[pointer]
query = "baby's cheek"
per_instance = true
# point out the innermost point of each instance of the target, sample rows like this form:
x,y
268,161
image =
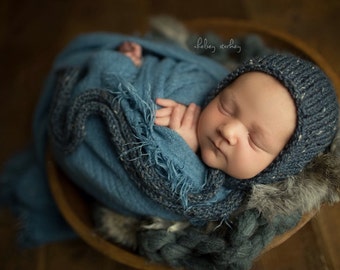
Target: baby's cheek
x,y
208,157
260,162
245,165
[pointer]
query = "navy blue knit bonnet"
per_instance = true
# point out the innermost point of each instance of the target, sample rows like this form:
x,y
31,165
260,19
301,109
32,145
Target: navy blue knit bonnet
x,y
317,111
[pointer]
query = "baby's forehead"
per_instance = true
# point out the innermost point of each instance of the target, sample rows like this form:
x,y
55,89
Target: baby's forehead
x,y
258,81
260,96
260,76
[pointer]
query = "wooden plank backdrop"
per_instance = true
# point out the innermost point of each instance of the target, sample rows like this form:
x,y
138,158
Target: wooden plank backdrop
x,y
32,32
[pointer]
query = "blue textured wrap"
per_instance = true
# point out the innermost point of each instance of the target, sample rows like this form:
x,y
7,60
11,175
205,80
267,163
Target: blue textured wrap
x,y
156,173
167,71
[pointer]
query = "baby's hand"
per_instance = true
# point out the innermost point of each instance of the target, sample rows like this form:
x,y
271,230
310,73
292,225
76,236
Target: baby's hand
x,y
133,51
183,119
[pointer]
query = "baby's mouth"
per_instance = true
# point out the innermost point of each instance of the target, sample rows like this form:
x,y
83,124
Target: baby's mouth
x,y
218,146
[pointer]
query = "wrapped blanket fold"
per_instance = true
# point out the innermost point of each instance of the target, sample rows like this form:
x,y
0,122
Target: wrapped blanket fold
x,y
104,137
86,79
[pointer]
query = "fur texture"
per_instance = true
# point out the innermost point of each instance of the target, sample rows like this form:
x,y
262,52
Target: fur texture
x,y
168,28
317,184
117,228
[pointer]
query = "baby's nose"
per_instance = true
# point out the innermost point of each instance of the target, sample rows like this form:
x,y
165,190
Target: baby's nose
x,y
231,131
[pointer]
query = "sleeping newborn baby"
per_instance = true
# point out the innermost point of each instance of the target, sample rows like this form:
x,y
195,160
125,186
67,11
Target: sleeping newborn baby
x,y
121,116
255,118
247,124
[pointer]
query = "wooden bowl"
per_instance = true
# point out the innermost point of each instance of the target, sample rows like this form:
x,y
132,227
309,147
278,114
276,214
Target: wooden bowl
x,y
75,208
71,200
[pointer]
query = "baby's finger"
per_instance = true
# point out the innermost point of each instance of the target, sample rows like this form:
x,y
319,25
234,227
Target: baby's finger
x,y
164,112
177,117
162,121
191,116
164,102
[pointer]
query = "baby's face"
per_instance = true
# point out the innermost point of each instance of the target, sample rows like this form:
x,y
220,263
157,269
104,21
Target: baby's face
x,y
246,126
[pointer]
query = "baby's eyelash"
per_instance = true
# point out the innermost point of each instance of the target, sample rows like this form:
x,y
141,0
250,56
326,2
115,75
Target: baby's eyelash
x,y
223,109
252,141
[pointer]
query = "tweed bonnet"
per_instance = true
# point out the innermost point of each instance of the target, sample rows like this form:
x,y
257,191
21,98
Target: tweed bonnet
x,y
317,110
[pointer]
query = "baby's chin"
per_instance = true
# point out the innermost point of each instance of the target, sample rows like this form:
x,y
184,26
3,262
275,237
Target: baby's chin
x,y
239,175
